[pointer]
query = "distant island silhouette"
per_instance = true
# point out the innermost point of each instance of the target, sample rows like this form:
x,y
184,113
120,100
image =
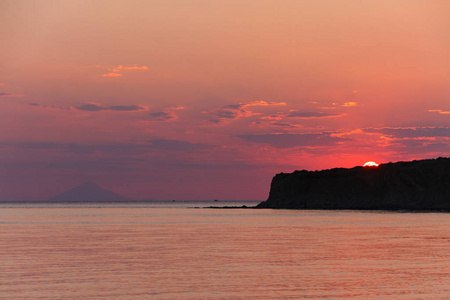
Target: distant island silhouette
x,y
414,185
88,192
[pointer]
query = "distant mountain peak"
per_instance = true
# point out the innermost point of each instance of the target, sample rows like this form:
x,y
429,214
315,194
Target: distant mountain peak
x,y
88,191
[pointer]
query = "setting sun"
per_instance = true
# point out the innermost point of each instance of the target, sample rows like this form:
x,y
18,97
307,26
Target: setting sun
x,y
370,164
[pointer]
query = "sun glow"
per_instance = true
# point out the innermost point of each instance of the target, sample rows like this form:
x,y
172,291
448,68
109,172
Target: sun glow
x,y
370,164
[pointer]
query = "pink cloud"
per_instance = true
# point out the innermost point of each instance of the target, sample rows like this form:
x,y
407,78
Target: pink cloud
x,y
439,111
264,103
112,74
178,107
349,104
120,67
236,111
116,71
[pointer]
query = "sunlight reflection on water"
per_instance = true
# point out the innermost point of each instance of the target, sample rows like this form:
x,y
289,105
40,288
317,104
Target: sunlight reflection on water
x,y
170,251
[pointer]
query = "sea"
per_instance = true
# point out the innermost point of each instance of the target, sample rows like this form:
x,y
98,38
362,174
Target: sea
x,y
182,250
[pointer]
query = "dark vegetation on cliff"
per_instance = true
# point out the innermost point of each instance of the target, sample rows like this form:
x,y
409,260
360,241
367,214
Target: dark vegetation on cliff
x,y
415,185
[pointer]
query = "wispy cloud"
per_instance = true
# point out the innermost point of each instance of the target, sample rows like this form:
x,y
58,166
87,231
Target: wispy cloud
x,y
422,146
236,111
126,107
408,140
411,132
178,107
94,107
161,116
112,74
117,71
313,115
276,116
399,141
264,103
50,107
10,95
229,112
336,105
349,104
267,122
120,68
276,120
164,115
291,140
439,111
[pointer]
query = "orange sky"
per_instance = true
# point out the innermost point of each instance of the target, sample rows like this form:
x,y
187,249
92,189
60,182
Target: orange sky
x,y
209,99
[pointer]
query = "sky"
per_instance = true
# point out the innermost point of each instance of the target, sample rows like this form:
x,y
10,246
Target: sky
x,y
207,100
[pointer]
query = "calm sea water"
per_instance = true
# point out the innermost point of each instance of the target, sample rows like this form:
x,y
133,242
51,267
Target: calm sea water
x,y
173,251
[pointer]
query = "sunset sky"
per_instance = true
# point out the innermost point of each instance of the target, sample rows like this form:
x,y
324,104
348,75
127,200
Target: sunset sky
x,y
210,99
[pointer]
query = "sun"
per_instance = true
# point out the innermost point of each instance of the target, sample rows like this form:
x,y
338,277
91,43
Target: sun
x,y
370,164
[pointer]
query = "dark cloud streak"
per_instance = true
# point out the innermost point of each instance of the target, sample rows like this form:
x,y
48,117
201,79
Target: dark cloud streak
x,y
312,115
93,107
115,149
294,140
161,116
413,132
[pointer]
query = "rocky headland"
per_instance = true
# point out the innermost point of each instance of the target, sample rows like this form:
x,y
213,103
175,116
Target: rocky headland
x,y
414,185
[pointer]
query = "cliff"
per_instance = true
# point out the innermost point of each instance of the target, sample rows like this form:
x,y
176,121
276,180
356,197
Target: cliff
x,y
415,185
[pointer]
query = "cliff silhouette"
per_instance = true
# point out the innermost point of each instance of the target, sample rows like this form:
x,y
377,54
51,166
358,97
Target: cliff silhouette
x,y
414,185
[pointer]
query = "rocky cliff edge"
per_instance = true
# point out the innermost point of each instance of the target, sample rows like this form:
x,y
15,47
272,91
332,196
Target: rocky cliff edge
x,y
415,185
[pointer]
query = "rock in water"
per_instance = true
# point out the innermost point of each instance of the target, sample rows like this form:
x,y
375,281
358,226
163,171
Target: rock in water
x,y
88,192
415,185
